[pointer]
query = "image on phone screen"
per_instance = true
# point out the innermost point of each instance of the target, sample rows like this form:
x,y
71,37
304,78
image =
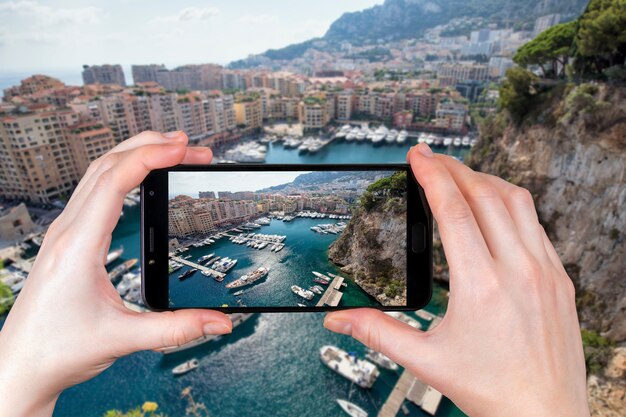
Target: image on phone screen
x,y
287,238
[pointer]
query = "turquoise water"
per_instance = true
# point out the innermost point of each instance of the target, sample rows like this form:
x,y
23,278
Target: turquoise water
x,y
304,251
268,367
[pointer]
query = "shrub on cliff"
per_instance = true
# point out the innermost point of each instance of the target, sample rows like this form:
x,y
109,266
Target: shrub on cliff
x,y
517,92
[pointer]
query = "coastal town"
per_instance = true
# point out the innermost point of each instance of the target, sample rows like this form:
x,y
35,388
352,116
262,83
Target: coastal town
x,y
209,235
361,96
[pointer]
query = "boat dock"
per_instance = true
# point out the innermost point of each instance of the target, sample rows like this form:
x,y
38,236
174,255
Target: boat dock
x,y
332,295
409,388
213,272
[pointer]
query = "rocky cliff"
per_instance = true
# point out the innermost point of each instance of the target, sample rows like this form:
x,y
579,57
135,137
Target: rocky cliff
x,y
571,154
372,249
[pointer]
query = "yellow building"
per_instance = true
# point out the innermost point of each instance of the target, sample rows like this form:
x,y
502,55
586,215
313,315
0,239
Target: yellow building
x,y
249,112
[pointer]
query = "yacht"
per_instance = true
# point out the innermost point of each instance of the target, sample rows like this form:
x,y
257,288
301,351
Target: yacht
x,y
457,142
438,141
188,366
343,132
301,292
121,269
362,134
379,135
205,257
321,276
316,289
402,136
381,360
421,138
113,255
360,372
187,274
447,142
351,409
391,136
430,139
352,135
249,278
465,141
225,265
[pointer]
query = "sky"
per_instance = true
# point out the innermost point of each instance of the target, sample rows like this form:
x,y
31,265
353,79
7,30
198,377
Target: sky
x,y
190,183
62,35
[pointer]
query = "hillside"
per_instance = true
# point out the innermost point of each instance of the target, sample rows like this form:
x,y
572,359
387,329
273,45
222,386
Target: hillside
x,y
372,249
404,19
570,152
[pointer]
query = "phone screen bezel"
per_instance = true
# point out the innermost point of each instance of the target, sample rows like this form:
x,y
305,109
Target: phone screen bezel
x,y
154,236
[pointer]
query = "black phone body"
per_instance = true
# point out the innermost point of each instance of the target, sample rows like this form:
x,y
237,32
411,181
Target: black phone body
x,y
251,238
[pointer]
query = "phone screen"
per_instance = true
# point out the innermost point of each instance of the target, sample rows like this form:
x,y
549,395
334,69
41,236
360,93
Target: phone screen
x,y
287,238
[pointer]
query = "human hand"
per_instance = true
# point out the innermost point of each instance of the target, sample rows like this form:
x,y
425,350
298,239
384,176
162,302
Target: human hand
x,y
69,323
510,343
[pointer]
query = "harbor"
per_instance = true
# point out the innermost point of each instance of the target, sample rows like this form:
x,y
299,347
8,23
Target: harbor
x,y
233,369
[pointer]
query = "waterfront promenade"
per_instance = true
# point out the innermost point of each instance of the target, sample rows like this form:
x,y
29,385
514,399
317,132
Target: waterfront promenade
x,y
218,275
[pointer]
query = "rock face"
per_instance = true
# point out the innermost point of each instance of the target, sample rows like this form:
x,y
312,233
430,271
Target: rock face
x,y
372,250
607,393
572,157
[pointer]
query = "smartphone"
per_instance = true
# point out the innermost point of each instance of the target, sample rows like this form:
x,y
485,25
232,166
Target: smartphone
x,y
284,238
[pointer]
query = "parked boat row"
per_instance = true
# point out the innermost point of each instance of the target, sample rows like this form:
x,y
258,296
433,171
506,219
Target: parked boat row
x,y
434,140
378,136
247,152
329,228
315,215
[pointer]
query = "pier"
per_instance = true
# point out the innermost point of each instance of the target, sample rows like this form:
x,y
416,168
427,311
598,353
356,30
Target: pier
x,y
410,388
218,275
332,295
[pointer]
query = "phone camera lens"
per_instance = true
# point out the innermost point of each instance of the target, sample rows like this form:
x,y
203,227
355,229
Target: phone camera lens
x,y
151,193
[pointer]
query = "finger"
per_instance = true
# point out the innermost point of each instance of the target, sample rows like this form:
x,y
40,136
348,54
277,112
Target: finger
x,y
102,205
521,207
462,240
491,214
198,156
552,254
142,139
384,334
143,331
106,163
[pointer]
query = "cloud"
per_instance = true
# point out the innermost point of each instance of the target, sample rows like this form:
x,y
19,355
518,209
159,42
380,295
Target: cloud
x,y
189,14
50,15
258,19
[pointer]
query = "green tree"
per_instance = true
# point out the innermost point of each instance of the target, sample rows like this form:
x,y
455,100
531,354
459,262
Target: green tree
x,y
550,50
601,34
517,92
6,298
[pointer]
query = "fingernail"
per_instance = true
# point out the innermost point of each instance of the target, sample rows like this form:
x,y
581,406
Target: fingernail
x,y
339,326
216,328
425,150
176,135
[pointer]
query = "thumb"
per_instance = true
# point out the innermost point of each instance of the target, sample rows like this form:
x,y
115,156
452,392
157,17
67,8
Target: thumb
x,y
399,341
154,330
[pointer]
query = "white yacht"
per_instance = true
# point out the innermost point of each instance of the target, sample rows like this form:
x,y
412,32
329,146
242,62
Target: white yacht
x,y
430,139
379,134
465,141
299,291
361,372
421,138
188,366
457,142
362,134
402,136
352,135
381,360
391,136
447,142
343,132
351,409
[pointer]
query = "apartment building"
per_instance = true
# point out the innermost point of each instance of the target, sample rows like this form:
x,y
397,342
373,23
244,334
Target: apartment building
x,y
88,140
314,113
117,112
461,71
344,106
36,160
283,108
146,73
451,116
104,74
248,112
35,84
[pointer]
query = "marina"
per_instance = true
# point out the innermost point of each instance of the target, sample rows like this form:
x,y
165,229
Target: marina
x,y
232,374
